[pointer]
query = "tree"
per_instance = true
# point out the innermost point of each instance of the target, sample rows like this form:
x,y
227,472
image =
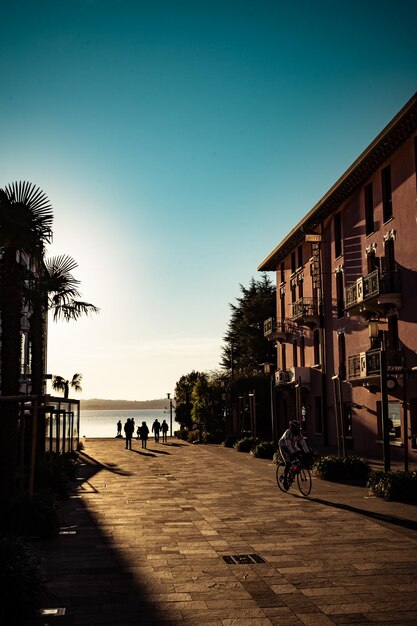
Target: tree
x,y
61,384
182,398
55,289
245,347
25,226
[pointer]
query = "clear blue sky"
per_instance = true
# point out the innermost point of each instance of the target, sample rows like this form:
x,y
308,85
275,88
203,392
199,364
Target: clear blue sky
x,y
178,142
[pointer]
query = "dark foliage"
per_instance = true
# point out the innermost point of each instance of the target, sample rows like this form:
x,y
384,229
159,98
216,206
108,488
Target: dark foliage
x,y
245,345
394,485
22,585
332,467
247,444
264,450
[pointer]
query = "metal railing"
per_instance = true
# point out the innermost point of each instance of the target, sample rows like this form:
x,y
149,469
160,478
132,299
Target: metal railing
x,y
370,286
304,307
368,364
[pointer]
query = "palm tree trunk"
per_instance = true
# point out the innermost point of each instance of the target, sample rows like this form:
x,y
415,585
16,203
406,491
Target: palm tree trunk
x,y
11,290
37,339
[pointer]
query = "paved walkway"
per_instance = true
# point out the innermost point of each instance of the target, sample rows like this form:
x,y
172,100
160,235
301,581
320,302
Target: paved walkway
x,y
152,528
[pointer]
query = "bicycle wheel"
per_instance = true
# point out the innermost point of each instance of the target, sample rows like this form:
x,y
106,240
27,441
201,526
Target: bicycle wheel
x,y
304,481
280,476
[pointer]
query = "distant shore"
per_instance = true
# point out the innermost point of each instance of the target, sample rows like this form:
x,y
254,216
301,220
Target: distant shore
x,y
97,404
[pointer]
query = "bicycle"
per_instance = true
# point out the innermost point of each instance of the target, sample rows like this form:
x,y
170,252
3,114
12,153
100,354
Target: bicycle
x,y
297,471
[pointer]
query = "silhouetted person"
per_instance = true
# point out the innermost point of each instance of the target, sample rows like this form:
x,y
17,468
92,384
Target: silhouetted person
x,y
164,428
119,429
129,428
156,427
138,432
143,433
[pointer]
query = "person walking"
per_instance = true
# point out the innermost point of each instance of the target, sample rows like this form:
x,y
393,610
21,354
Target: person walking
x,y
164,428
128,428
119,429
156,427
143,433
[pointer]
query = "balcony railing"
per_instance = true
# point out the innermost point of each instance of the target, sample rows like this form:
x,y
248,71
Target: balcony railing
x,y
371,286
368,364
275,328
304,308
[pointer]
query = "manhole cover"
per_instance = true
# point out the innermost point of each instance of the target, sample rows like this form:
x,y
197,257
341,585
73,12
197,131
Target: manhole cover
x,y
242,559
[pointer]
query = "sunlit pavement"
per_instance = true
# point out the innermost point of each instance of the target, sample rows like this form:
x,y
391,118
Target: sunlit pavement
x,y
146,531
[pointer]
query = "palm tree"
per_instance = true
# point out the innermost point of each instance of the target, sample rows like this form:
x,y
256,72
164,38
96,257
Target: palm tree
x,y
55,289
61,384
25,226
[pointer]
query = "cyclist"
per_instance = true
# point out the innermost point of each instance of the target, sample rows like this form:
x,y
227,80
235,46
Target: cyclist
x,y
291,443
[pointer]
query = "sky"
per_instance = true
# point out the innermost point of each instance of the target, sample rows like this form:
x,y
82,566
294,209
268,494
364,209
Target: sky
x,y
178,142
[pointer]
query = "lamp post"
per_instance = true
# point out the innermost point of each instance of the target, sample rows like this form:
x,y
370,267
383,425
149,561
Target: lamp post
x,y
269,369
373,328
170,414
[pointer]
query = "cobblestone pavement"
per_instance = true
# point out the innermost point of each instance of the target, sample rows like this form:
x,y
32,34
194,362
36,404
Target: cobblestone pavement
x,y
152,527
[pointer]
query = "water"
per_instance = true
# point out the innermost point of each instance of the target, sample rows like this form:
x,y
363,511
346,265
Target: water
x,y
104,423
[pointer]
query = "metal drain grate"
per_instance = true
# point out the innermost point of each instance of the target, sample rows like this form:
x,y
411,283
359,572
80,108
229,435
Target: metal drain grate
x,y
242,559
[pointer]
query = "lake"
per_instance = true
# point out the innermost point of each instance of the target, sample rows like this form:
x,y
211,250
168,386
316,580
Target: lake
x,y
103,423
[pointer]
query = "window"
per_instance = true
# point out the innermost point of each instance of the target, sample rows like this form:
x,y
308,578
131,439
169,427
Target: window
x,y
386,193
302,351
341,342
372,262
393,339
293,293
294,353
282,272
318,423
283,356
300,256
337,235
394,420
293,267
282,299
316,346
369,209
340,295
415,159
300,289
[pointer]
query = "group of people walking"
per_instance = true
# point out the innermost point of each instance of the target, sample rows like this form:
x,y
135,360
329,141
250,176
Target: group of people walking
x,y
142,432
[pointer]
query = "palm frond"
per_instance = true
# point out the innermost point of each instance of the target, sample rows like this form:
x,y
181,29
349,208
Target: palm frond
x,y
73,310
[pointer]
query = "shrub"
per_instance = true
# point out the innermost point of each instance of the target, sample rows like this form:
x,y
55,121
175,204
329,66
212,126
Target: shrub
x,y
394,485
181,434
334,468
37,517
246,444
277,458
55,473
264,450
22,584
193,435
212,437
230,441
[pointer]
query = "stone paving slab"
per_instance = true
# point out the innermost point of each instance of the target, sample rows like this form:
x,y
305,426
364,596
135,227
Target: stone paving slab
x,y
152,529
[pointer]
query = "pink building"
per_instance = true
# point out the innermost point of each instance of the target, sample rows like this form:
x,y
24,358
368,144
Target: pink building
x,y
346,321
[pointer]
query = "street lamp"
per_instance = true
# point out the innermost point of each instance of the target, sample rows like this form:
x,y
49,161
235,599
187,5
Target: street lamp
x,y
373,328
269,369
170,414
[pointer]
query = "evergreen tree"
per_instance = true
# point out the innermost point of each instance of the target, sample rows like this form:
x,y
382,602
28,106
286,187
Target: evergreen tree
x,y
245,347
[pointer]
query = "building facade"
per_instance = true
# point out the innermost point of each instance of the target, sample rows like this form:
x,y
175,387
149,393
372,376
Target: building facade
x,y
346,314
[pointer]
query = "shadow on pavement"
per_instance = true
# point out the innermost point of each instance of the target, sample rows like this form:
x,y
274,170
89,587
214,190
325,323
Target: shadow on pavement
x,y
158,451
110,467
86,573
379,517
142,453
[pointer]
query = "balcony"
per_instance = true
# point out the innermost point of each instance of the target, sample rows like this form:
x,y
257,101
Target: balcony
x,y
366,366
293,375
305,312
376,293
275,329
